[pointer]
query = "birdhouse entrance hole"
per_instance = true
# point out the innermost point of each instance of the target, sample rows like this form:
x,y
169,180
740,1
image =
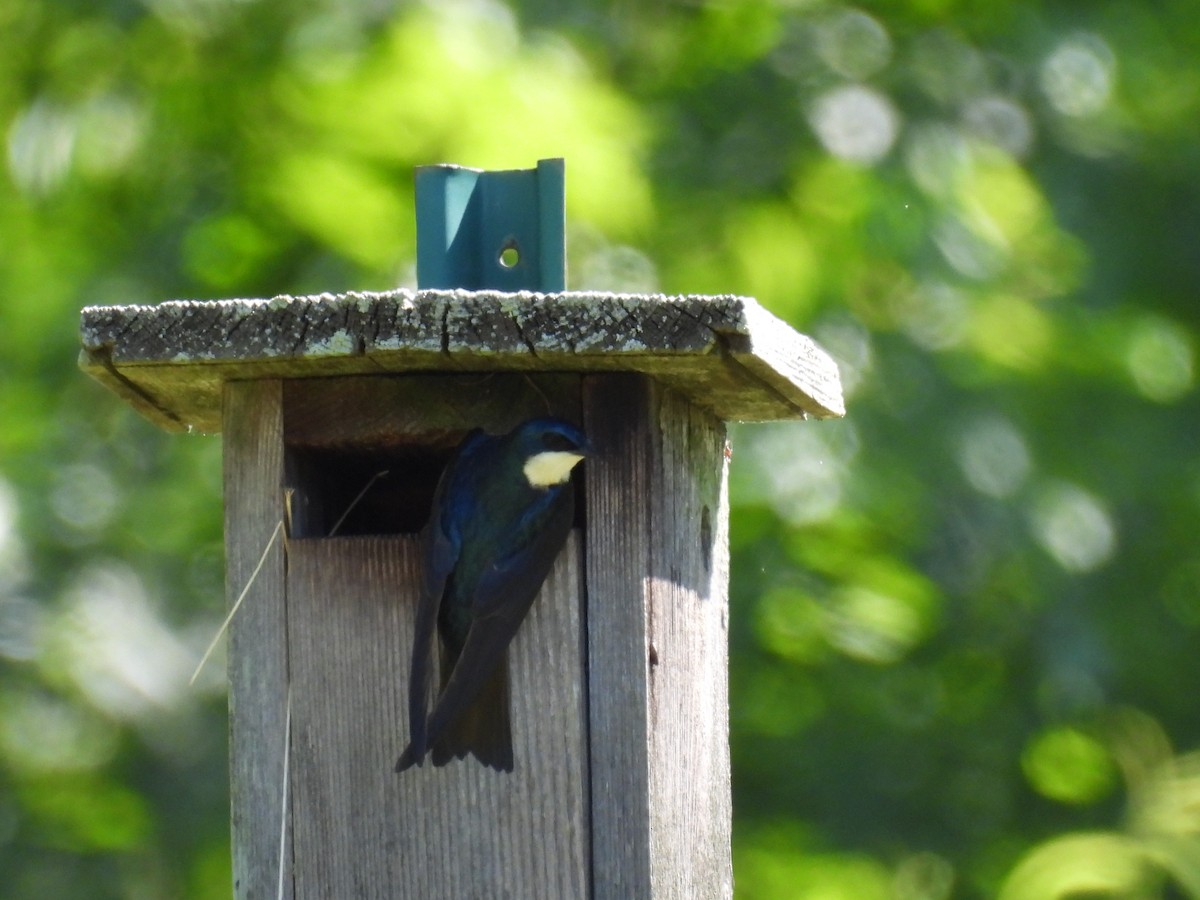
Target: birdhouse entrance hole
x,y
364,454
360,491
346,492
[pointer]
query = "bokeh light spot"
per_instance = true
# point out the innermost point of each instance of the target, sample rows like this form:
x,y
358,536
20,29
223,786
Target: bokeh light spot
x,y
1074,527
1001,122
853,44
855,123
993,456
1160,360
1077,77
84,497
1067,765
970,253
1011,332
1002,202
923,876
8,519
22,627
934,314
874,626
111,131
947,68
41,143
791,624
39,733
937,158
117,649
849,342
1079,865
794,470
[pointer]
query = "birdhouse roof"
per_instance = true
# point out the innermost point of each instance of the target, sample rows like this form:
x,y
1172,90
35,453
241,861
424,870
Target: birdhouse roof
x,y
724,352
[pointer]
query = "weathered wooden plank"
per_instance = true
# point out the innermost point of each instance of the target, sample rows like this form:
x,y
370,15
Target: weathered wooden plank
x,y
688,635
382,411
617,420
460,831
724,352
258,656
657,643
774,357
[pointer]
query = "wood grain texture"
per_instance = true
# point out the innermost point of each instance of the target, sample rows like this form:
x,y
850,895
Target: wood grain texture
x,y
688,633
258,656
657,620
619,478
724,352
422,410
362,831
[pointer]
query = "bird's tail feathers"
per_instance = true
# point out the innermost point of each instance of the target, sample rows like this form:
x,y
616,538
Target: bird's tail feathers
x,y
483,729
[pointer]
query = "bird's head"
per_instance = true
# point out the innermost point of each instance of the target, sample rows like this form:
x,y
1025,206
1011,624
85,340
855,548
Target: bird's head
x,y
550,448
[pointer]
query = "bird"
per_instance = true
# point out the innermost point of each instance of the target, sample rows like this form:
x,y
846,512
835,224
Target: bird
x,y
502,511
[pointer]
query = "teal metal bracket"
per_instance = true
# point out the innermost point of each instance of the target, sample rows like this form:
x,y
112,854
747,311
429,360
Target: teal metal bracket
x,y
502,230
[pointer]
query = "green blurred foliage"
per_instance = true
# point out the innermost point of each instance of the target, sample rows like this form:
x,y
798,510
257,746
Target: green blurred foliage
x,y
965,618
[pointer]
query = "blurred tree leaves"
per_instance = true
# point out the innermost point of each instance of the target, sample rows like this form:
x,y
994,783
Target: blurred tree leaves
x,y
958,614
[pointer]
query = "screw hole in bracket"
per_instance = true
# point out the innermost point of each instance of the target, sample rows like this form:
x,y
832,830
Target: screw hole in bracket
x,y
510,254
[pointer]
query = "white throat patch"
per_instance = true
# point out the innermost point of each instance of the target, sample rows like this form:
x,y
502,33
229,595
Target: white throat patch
x,y
550,467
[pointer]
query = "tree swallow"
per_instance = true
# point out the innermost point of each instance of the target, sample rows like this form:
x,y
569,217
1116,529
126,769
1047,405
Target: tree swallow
x,y
501,514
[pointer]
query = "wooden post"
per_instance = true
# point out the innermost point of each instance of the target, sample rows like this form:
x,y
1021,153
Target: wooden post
x,y
258,652
657,643
621,784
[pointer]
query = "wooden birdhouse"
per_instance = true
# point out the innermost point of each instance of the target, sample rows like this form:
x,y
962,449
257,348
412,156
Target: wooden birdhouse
x,y
338,413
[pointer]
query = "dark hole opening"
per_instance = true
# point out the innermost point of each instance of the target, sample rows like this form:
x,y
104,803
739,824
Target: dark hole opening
x,y
327,484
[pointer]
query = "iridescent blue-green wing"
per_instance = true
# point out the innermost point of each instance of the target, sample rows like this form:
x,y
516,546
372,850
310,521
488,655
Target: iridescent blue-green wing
x,y
441,542
502,599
